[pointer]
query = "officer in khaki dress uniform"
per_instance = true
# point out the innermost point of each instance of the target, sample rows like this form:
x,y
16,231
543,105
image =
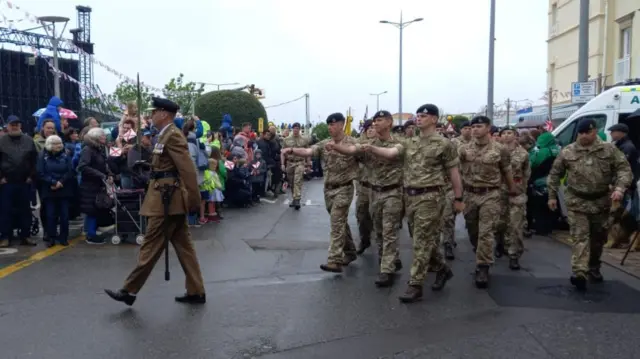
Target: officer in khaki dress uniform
x,y
339,173
171,165
294,166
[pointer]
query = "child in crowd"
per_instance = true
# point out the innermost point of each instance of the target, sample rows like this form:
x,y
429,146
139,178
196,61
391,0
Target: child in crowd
x,y
222,175
258,176
213,187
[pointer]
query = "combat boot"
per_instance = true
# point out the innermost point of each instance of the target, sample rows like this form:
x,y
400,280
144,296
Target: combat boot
x,y
442,278
364,244
448,252
296,204
398,264
595,276
348,258
482,277
292,203
579,280
384,280
412,294
331,267
514,264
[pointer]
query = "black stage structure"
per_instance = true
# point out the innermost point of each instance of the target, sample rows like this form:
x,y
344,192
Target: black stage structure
x,y
27,83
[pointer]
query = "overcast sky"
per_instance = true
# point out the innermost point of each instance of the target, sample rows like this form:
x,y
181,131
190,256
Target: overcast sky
x,y
335,50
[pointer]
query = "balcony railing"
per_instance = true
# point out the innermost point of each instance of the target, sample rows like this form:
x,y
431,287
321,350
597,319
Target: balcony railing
x,y
623,69
553,29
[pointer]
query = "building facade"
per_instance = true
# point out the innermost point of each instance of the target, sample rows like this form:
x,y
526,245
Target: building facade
x,y
614,44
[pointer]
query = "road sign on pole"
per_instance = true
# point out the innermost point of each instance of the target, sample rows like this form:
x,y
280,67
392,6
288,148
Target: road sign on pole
x,y
583,92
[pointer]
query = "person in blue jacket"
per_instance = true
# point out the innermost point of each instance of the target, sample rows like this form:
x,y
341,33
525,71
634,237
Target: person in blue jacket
x,y
53,112
179,121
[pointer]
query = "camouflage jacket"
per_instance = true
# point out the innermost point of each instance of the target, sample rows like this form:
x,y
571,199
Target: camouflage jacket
x,y
338,168
427,160
591,170
484,165
295,142
384,172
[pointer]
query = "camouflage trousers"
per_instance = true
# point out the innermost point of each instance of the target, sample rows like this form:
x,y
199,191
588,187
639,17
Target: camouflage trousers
x,y
338,201
503,218
514,236
386,212
363,215
295,176
481,213
449,219
424,213
588,235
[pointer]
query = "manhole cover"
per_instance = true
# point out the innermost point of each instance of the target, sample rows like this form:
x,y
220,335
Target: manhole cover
x,y
593,295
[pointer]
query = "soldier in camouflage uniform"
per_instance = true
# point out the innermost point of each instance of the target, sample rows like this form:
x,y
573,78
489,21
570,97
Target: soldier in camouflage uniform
x,y
386,196
427,160
363,189
294,166
339,173
409,129
592,166
514,211
486,166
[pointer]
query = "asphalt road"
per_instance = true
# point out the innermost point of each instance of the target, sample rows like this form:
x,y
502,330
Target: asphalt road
x,y
267,298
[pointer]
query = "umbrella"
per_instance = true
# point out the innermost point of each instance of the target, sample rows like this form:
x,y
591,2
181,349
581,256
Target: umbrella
x,y
66,113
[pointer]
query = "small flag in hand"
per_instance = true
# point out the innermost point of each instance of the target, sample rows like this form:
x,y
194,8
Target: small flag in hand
x,y
548,125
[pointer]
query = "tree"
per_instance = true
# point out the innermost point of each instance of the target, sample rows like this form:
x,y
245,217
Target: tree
x,y
458,120
321,131
183,93
126,92
241,106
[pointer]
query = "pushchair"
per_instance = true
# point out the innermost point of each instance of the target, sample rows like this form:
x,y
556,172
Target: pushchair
x,y
128,221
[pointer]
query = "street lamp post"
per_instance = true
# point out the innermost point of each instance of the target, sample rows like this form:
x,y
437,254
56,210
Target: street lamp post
x,y
377,95
55,41
400,25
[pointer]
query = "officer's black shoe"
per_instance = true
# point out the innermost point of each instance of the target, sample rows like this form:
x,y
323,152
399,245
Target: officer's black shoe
x,y
482,277
442,278
398,264
192,299
412,294
595,276
121,296
296,204
448,252
579,280
384,280
514,264
363,246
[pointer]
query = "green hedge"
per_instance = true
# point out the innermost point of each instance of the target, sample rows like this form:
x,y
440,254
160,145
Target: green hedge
x,y
242,106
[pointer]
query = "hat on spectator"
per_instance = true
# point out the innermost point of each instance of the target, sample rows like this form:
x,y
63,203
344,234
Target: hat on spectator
x,y
620,127
13,119
146,133
163,104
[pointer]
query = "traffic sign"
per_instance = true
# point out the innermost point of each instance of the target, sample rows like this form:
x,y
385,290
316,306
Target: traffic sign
x,y
583,92
450,128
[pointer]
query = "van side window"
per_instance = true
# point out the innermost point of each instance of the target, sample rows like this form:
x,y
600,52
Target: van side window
x,y
568,135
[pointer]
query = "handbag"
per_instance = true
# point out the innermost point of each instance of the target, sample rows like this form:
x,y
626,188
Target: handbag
x,y
104,199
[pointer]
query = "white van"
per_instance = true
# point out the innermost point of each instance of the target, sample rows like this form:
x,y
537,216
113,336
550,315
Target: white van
x,y
610,107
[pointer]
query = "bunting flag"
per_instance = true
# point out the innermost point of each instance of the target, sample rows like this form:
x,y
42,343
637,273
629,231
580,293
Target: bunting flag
x,y
27,16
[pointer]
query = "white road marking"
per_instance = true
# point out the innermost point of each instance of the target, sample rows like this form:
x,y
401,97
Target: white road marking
x,y
267,200
308,202
7,251
286,202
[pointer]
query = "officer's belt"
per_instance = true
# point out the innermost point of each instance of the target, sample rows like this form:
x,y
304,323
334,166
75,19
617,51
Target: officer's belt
x,y
415,191
480,190
331,186
156,175
587,196
380,188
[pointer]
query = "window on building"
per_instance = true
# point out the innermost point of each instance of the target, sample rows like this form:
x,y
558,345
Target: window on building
x,y
625,42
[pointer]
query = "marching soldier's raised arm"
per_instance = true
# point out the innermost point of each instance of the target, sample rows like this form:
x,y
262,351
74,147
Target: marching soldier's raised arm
x,y
389,153
301,152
